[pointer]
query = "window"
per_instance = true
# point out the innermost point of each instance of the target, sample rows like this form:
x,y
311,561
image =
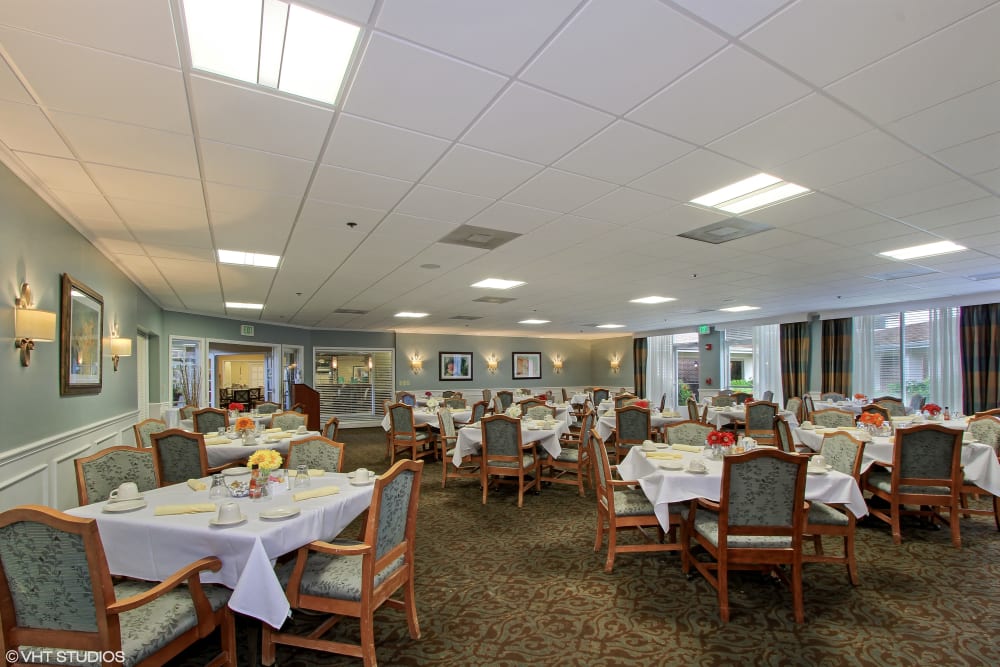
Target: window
x,y
738,358
672,367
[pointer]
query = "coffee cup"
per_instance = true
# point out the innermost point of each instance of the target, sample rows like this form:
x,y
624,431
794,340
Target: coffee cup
x,y
817,461
362,475
229,512
301,429
807,424
697,466
127,491
648,445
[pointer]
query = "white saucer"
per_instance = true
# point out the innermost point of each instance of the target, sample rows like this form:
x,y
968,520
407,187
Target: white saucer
x,y
817,471
280,513
234,522
124,505
696,472
671,465
371,480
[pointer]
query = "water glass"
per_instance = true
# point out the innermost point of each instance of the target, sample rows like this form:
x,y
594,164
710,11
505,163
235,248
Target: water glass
x,y
219,489
301,477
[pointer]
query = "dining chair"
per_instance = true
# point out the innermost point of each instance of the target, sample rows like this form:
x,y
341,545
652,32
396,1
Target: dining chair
x,y
917,402
599,394
267,407
353,579
926,470
529,403
186,412
767,396
995,412
876,409
331,429
783,435
690,432
316,452
794,405
406,436
447,441
455,402
760,421
831,396
692,406
145,428
288,421
540,412
56,592
572,466
622,506
565,395
479,409
406,397
448,393
757,524
242,396
99,474
833,418
301,407
984,429
808,406
632,427
498,408
741,397
893,405
506,460
506,398
621,400
721,401
488,396
180,455
210,420
842,452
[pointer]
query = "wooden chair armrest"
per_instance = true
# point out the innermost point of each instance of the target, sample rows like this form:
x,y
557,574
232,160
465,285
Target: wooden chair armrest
x,y
333,549
187,574
622,483
709,505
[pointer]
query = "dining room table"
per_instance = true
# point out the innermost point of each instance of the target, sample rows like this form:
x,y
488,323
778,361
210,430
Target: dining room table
x,y
678,484
470,438
847,405
223,449
607,423
141,544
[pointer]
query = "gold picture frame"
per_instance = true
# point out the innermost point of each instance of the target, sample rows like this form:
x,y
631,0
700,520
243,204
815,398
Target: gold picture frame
x,y
81,327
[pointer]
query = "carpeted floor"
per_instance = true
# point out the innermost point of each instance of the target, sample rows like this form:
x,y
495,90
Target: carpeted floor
x,y
498,585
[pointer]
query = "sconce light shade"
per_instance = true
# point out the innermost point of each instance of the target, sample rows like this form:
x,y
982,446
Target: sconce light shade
x,y
416,364
120,347
616,364
31,326
557,364
492,363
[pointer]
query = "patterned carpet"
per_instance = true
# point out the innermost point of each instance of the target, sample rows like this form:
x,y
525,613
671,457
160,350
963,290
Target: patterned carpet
x,y
501,586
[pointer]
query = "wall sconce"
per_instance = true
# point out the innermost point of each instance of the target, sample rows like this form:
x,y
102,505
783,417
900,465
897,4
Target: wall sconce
x,y
333,365
616,363
31,326
370,363
416,364
492,363
557,364
117,347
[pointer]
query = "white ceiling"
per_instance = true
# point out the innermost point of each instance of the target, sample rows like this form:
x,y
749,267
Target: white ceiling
x,y
584,125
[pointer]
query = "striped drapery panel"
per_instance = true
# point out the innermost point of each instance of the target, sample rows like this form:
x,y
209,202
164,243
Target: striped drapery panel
x,y
795,358
837,336
639,362
979,334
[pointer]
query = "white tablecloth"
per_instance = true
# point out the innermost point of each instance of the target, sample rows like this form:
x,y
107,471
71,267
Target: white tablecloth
x,y
607,424
260,420
421,417
663,487
470,440
141,545
221,454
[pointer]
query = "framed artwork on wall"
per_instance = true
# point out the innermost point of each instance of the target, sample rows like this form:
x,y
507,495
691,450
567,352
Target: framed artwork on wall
x,y
454,365
81,326
526,365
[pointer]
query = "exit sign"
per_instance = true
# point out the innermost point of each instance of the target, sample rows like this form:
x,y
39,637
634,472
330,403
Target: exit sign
x,y
246,329
704,329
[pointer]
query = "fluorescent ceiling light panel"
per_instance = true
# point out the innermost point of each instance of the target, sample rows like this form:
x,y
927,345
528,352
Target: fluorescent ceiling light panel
x,y
926,250
610,326
739,309
246,306
653,299
409,314
249,258
751,193
534,321
497,283
276,44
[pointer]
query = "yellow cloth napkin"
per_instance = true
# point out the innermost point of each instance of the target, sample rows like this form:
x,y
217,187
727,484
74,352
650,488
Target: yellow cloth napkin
x,y
272,430
663,455
197,485
192,508
218,440
688,448
316,472
315,493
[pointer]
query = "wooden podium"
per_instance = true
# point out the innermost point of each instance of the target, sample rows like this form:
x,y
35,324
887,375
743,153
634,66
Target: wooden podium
x,y
309,398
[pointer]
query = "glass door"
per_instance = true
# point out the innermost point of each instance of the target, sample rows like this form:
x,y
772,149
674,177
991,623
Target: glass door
x,y
187,371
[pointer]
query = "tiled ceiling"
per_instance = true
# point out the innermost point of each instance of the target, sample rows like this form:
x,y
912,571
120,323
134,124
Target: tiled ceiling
x,y
583,125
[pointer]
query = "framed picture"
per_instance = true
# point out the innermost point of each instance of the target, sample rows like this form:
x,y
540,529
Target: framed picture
x,y
526,365
454,365
80,344
361,375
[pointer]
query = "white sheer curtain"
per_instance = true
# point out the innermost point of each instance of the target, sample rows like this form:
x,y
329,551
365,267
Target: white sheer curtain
x,y
862,356
944,363
660,370
725,370
767,362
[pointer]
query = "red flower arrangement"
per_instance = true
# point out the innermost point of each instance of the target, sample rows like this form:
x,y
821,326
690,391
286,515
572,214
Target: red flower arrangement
x,y
427,394
873,418
933,409
724,438
236,406
642,403
860,397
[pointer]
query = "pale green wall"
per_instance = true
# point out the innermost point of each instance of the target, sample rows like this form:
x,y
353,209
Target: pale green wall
x,y
601,352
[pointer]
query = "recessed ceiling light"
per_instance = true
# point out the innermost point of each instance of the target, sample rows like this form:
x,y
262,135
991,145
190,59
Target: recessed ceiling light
x,y
653,299
276,44
246,306
739,309
534,321
409,314
497,283
249,258
610,326
926,250
751,193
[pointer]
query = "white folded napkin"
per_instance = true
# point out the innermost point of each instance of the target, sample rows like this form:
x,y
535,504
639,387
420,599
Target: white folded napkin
x,y
687,448
196,485
316,493
191,508
218,440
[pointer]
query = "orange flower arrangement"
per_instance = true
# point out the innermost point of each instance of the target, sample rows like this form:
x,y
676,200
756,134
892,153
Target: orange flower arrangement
x,y
872,418
245,424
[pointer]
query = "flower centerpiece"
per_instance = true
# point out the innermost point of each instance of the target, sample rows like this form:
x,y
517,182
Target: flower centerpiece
x,y
721,439
245,426
932,409
238,407
641,403
267,461
513,411
859,397
871,419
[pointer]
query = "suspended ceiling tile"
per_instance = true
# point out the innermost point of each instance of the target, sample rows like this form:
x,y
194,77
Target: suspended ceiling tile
x,y
679,219
733,18
692,175
356,188
445,205
144,186
405,85
624,205
421,230
897,179
511,217
25,128
973,157
623,152
929,198
864,153
247,168
59,173
479,172
163,219
86,206
968,211
559,191
955,121
364,145
11,88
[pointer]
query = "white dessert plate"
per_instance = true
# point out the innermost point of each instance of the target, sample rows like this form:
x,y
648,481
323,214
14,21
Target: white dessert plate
x,y
371,480
279,513
671,465
234,522
814,470
696,472
124,505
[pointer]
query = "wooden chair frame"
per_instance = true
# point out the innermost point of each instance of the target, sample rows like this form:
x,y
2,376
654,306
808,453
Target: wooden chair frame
x,y
81,485
624,445
517,474
136,430
331,422
209,411
567,471
202,455
406,440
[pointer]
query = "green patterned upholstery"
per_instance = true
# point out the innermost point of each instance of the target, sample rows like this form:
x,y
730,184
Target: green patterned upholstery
x,y
688,433
723,401
187,412
882,481
288,421
841,452
794,405
831,396
762,492
540,412
926,454
783,433
707,524
632,502
210,420
336,577
530,403
986,429
506,398
180,455
833,418
632,424
692,407
396,496
331,429
316,452
600,395
109,469
894,406
146,428
456,402
760,416
824,515
502,438
267,408
478,411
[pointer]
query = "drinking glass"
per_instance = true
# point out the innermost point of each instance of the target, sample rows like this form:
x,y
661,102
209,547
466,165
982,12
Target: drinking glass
x,y
301,477
219,489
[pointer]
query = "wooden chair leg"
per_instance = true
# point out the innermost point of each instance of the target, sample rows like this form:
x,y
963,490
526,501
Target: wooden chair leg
x,y
852,563
897,535
722,580
800,615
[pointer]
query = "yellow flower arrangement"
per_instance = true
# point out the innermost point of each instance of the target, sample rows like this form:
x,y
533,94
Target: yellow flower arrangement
x,y
265,458
245,424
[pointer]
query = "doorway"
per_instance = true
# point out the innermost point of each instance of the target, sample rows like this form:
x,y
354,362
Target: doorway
x,y
242,373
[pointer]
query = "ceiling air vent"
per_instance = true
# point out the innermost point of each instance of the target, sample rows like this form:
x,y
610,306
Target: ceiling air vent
x,y
478,237
350,311
494,299
465,317
726,230
984,276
